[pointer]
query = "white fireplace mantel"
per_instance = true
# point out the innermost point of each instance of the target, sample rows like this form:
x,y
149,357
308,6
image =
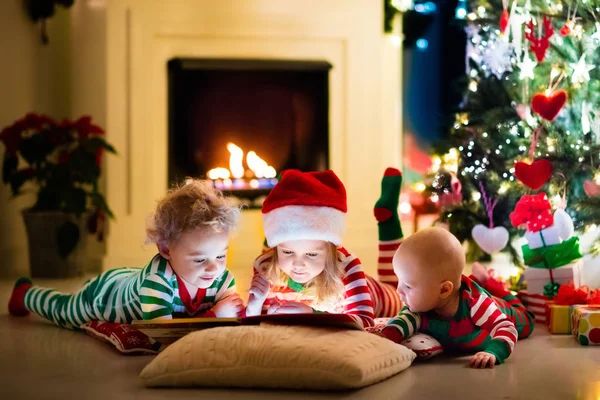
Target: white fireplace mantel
x,y
365,100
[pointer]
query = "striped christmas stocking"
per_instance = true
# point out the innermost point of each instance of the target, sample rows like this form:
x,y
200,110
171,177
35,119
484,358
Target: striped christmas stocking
x,y
388,223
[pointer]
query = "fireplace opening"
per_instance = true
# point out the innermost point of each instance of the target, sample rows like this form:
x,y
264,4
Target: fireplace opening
x,y
241,122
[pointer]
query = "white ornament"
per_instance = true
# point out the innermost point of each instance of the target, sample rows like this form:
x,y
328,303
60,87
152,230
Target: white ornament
x,y
596,36
473,33
581,71
564,224
490,240
498,56
585,118
526,66
595,125
516,28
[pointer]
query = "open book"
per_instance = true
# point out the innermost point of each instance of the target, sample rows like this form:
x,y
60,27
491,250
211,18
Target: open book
x,y
168,331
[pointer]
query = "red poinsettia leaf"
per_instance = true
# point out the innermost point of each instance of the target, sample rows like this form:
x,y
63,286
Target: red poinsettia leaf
x,y
65,123
47,120
96,130
534,175
86,120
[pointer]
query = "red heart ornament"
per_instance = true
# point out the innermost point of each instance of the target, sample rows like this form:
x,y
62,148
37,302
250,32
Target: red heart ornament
x,y
591,188
548,107
534,175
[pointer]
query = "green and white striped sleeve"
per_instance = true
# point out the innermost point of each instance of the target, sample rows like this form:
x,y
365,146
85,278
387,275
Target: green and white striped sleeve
x,y
226,286
156,291
403,326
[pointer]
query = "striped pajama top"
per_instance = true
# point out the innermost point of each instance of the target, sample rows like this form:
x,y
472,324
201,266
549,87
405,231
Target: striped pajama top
x,y
355,301
123,295
482,323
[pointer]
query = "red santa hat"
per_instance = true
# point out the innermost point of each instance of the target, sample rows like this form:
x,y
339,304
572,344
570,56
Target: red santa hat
x,y
305,206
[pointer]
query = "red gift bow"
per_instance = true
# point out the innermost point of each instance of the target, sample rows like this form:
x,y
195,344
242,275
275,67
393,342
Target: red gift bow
x,y
569,296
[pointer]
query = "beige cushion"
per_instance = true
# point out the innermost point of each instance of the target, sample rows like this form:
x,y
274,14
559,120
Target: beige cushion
x,y
275,356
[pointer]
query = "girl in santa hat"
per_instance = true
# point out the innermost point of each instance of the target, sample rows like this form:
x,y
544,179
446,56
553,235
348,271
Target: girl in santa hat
x,y
306,270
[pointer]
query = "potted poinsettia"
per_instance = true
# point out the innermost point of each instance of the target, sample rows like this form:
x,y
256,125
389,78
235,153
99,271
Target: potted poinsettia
x,y
61,163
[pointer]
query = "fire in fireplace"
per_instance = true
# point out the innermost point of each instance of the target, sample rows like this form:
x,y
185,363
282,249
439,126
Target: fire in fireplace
x,y
241,122
259,174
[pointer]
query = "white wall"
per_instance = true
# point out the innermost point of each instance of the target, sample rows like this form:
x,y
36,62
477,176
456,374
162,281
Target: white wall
x,y
43,79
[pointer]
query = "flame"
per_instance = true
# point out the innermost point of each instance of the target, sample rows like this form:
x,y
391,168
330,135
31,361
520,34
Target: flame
x,y
257,165
235,160
219,173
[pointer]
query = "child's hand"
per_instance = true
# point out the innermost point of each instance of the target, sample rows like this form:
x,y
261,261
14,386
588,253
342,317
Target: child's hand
x,y
259,288
482,360
229,307
289,307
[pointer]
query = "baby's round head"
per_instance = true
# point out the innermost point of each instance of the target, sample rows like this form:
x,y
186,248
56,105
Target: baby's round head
x,y
429,266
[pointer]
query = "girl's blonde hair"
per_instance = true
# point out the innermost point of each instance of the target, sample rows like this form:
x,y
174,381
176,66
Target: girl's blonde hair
x,y
192,204
327,287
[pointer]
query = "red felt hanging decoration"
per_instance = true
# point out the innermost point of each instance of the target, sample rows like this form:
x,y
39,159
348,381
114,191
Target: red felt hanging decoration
x,y
534,175
548,107
504,18
540,44
567,28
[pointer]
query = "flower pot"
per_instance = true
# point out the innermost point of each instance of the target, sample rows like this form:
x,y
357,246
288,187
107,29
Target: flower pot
x,y
45,260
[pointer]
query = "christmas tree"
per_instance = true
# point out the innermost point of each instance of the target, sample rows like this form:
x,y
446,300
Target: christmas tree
x,y
530,118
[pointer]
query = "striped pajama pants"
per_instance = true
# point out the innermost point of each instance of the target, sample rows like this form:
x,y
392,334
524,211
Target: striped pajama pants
x,y
99,299
65,310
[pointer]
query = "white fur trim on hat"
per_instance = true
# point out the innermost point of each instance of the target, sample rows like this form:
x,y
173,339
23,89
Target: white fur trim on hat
x,y
304,223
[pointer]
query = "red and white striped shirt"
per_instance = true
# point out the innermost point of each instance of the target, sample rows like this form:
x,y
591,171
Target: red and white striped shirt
x,y
355,301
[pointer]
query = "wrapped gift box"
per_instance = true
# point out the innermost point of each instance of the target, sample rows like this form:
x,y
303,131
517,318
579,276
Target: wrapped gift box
x,y
585,324
553,256
558,319
537,278
588,272
536,303
543,238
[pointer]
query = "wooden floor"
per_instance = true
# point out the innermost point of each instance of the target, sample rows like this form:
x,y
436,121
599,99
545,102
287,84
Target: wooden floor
x,y
41,361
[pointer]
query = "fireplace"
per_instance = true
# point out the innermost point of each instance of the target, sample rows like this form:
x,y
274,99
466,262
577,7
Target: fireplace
x,y
362,112
241,122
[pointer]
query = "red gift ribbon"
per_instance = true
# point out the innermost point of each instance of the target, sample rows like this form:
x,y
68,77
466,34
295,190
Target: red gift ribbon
x,y
594,297
569,296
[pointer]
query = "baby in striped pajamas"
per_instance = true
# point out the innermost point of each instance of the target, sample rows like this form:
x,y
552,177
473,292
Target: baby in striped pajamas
x,y
188,276
470,314
305,269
